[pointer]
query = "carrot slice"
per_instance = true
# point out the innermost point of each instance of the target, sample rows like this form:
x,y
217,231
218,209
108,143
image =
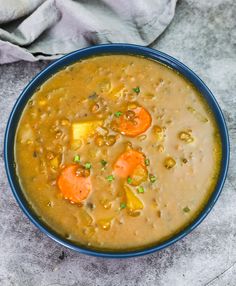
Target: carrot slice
x,y
137,125
74,188
128,162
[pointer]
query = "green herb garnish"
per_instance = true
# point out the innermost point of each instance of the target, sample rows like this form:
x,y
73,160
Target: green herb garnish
x,y
118,113
136,90
88,165
129,180
152,178
104,163
140,190
186,209
122,206
147,162
110,178
77,159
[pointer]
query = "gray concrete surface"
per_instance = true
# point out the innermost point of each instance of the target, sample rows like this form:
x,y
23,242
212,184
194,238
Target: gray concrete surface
x,y
202,35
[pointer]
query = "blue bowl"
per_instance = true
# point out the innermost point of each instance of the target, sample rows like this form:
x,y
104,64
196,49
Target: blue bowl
x,y
70,59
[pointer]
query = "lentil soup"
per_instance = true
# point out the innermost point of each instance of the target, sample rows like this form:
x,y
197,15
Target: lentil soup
x,y
117,152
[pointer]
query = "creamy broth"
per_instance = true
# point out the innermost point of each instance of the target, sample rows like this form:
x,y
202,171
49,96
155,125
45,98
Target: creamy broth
x,y
117,152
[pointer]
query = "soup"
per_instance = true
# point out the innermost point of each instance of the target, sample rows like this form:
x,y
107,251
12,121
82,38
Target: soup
x,y
117,152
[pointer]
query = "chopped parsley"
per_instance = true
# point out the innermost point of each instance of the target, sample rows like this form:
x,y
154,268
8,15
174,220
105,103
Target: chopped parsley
x,y
186,209
129,180
122,206
77,159
140,190
88,165
152,178
104,163
147,162
136,90
110,178
118,113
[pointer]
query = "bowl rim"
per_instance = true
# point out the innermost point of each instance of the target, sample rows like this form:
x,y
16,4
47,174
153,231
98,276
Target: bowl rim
x,y
101,50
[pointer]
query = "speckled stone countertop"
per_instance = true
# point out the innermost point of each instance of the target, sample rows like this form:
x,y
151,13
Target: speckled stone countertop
x,y
203,36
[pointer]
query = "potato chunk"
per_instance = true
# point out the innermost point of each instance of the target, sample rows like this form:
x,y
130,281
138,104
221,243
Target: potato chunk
x,y
84,218
82,130
26,134
139,175
116,92
133,203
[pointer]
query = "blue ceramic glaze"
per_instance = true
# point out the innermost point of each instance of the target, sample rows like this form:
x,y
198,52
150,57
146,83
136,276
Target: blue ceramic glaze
x,y
70,59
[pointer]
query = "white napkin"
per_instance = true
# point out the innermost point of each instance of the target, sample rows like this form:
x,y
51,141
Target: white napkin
x,y
46,29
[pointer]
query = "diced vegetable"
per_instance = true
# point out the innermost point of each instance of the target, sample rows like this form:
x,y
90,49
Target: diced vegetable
x,y
54,163
132,202
72,185
127,163
82,130
26,134
116,92
147,162
76,144
84,217
105,85
132,105
134,122
139,175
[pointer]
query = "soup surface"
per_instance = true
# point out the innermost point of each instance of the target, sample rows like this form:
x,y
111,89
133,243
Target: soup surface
x,y
117,152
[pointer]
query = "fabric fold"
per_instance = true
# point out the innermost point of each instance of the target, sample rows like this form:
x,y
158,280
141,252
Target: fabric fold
x,y
48,29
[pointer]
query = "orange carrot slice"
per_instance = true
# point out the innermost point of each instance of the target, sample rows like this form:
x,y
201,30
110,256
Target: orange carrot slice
x,y
137,125
73,187
128,162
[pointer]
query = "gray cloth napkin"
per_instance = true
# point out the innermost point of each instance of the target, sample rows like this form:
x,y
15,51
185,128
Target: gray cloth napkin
x,y
46,29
